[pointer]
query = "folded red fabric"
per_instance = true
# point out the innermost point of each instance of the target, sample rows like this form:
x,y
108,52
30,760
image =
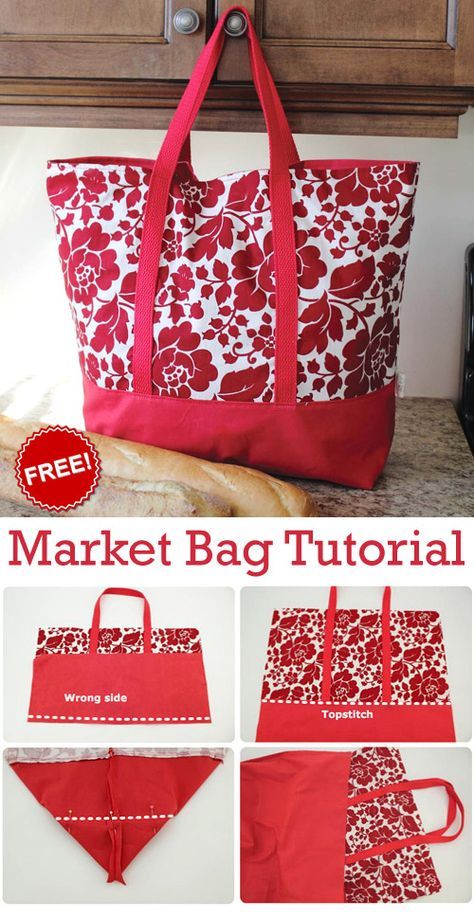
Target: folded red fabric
x,y
114,802
324,827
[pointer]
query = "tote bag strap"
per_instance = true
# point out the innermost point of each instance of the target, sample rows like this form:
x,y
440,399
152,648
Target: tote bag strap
x,y
185,154
455,812
329,639
121,592
283,155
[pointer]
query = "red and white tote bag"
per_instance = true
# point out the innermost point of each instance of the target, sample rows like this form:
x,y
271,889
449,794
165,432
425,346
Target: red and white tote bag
x,y
334,827
113,802
119,675
356,674
251,318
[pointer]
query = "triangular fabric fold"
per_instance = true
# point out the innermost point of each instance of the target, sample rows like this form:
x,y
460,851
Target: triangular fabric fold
x,y
114,806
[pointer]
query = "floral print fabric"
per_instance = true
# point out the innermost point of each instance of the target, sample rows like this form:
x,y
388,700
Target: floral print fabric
x,y
394,876
117,641
214,322
293,671
77,754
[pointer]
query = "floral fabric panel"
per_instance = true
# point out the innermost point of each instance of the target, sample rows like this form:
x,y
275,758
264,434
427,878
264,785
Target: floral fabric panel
x,y
419,669
117,641
394,876
293,671
214,322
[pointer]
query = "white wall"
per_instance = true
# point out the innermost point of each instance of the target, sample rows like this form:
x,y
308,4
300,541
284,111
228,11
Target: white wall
x,y
35,323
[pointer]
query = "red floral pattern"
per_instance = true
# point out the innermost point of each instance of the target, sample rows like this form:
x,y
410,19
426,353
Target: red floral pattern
x,y
56,640
180,366
214,323
293,671
395,876
88,263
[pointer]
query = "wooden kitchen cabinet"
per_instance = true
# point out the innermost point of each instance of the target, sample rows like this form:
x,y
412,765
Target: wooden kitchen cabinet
x,y
344,66
97,40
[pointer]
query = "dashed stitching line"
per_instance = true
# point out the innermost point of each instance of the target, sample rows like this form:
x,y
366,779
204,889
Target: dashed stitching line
x,y
113,718
311,702
116,817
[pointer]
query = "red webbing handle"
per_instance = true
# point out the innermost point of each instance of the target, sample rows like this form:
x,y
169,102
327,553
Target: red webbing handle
x,y
455,807
386,647
328,641
121,592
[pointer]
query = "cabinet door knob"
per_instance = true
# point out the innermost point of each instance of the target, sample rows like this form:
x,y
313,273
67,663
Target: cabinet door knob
x,y
186,21
235,24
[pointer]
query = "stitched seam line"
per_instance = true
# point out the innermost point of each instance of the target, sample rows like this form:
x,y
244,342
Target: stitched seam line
x,y
115,817
311,702
114,718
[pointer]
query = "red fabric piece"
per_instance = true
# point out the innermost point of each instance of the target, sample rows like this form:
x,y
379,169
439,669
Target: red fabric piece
x,y
153,789
127,687
293,826
345,441
311,696
291,722
300,814
156,687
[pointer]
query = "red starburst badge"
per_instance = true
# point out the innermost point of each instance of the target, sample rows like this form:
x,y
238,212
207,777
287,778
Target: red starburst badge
x,y
57,468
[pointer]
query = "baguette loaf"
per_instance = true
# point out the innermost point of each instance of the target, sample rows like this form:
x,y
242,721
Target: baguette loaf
x,y
139,480
113,497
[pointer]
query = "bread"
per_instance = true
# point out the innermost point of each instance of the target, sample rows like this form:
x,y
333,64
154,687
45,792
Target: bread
x,y
140,480
113,497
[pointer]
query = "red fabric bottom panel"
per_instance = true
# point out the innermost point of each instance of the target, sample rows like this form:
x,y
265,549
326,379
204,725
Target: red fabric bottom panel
x,y
131,798
155,687
294,853
337,722
345,441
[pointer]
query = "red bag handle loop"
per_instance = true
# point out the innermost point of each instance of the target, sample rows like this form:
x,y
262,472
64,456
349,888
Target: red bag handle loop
x,y
121,592
281,140
283,154
386,646
455,810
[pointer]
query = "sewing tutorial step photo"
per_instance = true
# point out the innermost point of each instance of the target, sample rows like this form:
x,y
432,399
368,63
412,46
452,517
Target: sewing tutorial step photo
x,y
356,664
119,664
350,825
118,824
346,677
